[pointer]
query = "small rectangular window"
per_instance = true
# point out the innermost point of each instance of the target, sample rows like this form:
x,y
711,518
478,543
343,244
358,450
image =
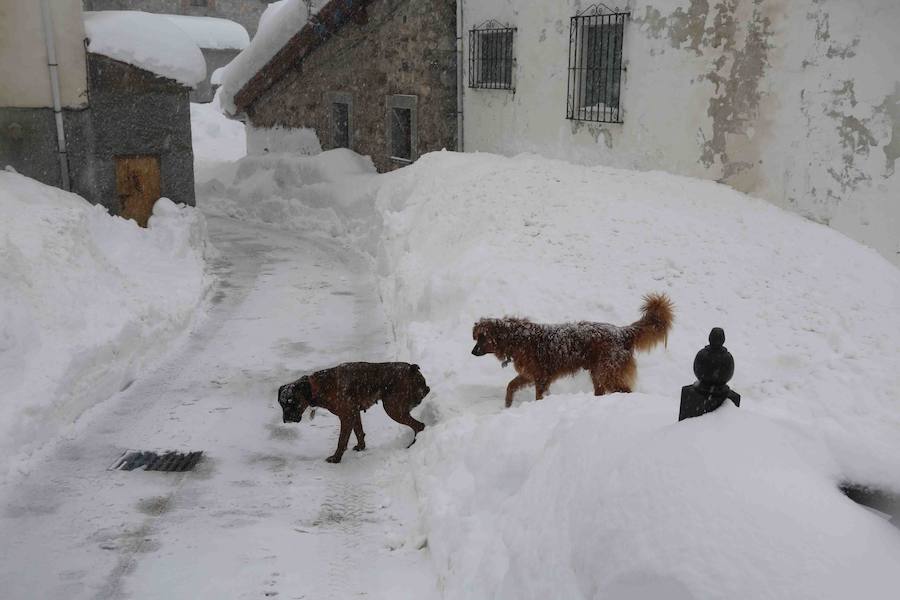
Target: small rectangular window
x,y
595,67
402,132
491,56
340,125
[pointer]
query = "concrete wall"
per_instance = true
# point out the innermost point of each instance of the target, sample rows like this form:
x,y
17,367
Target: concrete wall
x,y
245,12
24,74
28,144
205,91
795,101
138,113
405,47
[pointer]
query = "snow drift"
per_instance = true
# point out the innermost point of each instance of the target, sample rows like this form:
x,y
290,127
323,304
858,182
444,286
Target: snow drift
x,y
86,301
329,193
583,497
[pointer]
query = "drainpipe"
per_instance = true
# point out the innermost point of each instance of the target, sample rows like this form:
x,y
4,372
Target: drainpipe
x,y
460,117
54,88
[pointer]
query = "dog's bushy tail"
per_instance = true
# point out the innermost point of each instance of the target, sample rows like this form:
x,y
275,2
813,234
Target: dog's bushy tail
x,y
653,327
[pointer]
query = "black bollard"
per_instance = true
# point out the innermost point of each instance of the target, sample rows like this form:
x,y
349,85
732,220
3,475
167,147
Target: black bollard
x,y
713,367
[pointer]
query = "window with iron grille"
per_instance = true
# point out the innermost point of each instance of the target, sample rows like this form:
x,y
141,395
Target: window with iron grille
x,y
596,39
491,56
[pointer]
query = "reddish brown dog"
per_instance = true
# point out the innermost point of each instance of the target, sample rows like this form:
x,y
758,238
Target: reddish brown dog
x,y
350,388
543,353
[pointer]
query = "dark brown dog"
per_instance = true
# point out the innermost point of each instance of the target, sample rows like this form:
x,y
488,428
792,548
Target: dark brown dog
x,y
349,388
543,353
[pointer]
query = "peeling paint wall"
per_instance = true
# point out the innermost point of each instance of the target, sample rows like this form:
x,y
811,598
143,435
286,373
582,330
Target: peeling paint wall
x,y
795,101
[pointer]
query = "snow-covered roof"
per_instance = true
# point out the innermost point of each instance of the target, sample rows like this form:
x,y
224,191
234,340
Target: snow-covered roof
x,y
212,33
148,41
277,25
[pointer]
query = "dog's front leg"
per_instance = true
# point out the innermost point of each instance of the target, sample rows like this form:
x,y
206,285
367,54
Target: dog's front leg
x,y
514,386
346,428
540,388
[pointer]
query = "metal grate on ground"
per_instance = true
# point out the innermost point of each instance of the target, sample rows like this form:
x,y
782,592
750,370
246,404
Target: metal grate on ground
x,y
169,461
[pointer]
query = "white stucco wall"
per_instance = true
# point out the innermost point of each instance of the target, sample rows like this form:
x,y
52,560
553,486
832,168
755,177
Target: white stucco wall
x,y
795,101
24,75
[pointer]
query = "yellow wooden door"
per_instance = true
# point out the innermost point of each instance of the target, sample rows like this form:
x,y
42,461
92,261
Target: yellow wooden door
x,y
138,186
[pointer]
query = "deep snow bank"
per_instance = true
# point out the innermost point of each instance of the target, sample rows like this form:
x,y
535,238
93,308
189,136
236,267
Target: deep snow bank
x,y
812,317
329,193
86,300
576,497
583,497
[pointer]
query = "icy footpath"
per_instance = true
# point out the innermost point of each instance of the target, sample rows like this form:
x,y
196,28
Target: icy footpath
x,y
583,497
87,301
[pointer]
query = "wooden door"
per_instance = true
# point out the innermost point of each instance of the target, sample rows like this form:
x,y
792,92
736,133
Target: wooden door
x,y
138,186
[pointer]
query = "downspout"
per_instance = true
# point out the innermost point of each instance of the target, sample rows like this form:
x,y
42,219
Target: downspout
x,y
460,117
54,88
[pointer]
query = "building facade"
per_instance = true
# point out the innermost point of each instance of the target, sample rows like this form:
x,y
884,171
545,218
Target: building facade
x,y
378,78
794,101
125,139
245,12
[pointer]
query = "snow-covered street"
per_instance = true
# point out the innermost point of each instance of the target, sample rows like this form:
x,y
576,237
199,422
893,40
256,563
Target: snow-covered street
x,y
629,274
263,515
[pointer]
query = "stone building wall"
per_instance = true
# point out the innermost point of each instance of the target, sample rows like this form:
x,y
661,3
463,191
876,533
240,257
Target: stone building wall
x,y
405,47
245,12
136,112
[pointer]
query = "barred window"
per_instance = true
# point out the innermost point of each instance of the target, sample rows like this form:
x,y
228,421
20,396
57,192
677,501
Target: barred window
x,y
491,56
596,39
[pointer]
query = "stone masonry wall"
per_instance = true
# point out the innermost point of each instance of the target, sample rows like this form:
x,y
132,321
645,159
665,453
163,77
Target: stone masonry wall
x,y
405,47
138,113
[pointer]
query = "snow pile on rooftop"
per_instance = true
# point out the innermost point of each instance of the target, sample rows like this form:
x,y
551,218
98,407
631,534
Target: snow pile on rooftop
x,y
211,32
148,41
583,497
87,301
277,25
